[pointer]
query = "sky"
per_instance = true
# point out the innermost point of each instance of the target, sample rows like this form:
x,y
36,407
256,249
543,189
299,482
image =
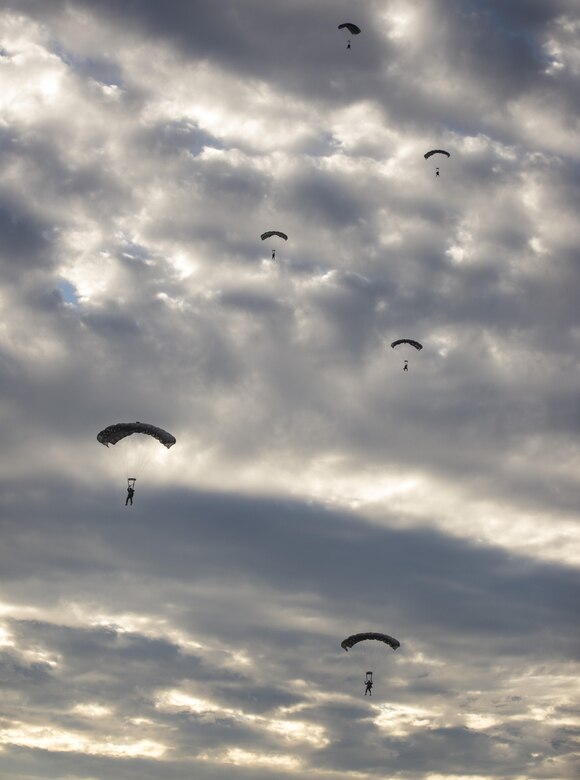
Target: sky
x,y
316,490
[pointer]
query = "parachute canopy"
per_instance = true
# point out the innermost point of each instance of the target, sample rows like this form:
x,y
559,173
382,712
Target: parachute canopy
x,y
436,151
352,28
350,641
413,343
274,233
114,433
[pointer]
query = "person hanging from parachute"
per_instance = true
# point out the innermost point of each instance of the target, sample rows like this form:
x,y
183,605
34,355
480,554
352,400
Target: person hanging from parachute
x,y
369,684
130,490
354,639
115,433
269,234
353,29
417,345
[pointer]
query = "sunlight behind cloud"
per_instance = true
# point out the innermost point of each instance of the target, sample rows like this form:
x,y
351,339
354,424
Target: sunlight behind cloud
x,y
61,741
288,729
402,720
89,710
241,757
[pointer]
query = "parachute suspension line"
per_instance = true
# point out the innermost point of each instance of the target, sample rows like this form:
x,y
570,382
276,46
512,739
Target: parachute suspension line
x,y
125,456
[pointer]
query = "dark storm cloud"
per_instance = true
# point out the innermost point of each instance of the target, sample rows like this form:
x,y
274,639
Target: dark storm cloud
x,y
449,598
325,199
25,243
180,135
253,38
248,300
495,41
452,587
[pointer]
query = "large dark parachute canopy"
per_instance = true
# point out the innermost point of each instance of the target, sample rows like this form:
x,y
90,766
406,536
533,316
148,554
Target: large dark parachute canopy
x,y
436,151
350,641
270,233
114,433
413,343
352,28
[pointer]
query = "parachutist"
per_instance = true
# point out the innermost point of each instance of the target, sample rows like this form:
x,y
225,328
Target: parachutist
x,y
353,29
427,155
418,346
368,687
130,494
269,234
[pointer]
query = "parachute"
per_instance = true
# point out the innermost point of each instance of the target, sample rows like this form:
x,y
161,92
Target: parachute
x,y
135,452
353,29
371,653
353,640
413,343
274,233
269,234
436,151
427,155
114,433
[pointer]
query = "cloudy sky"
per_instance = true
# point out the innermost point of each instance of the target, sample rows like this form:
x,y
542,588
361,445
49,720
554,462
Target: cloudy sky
x,y
316,490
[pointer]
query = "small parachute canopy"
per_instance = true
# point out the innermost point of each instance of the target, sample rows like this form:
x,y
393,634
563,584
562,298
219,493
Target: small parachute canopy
x,y
350,641
352,28
114,433
413,343
270,233
436,151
